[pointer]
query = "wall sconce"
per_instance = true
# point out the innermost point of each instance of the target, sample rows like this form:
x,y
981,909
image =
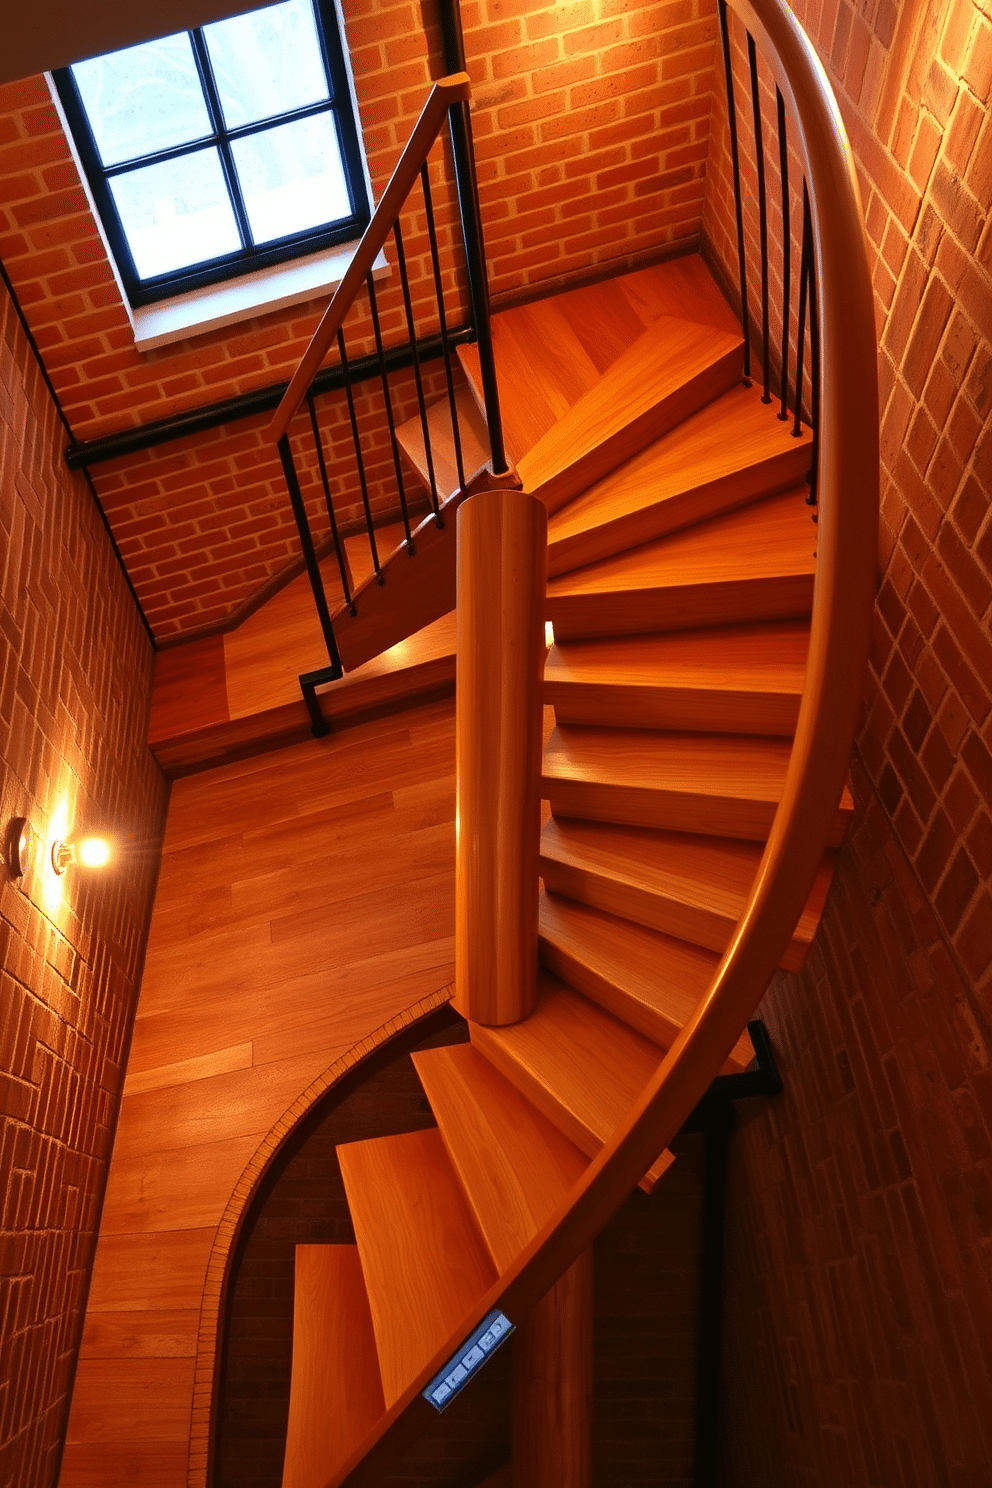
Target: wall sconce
x,y
88,852
19,846
21,849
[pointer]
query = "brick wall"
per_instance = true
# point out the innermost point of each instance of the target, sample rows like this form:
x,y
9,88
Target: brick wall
x,y
75,680
860,1303
591,126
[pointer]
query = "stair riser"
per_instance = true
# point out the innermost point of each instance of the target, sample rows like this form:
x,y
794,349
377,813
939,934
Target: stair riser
x,y
777,473
637,612
684,921
712,816
607,995
673,708
642,430
654,911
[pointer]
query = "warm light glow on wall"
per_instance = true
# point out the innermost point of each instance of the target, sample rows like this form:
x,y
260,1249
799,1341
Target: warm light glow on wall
x,y
50,881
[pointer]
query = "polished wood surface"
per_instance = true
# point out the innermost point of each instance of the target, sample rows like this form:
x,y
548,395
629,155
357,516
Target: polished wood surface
x,y
580,1066
336,1390
514,1165
757,563
502,564
723,785
423,1258
731,452
553,1385
305,900
740,679
673,369
564,344
689,886
444,93
472,432
651,981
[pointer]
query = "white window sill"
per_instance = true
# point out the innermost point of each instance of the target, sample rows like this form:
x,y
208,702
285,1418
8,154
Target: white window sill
x,y
220,305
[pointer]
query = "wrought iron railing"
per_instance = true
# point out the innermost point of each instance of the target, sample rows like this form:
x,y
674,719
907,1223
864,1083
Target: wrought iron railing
x,y
447,104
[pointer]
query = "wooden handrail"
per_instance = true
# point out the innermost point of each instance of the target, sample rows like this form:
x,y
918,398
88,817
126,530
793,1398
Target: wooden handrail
x,y
445,92
842,611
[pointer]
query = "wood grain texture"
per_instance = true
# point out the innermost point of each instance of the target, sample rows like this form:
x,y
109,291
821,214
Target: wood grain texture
x,y
472,432
692,887
731,452
673,369
502,561
247,848
741,679
553,1385
423,1258
336,1390
514,1165
578,1065
754,564
723,785
651,981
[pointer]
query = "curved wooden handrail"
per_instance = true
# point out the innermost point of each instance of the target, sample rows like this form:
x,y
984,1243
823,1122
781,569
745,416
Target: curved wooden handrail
x,y
445,92
842,611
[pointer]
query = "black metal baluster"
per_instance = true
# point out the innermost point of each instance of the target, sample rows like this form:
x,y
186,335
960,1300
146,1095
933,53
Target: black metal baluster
x,y
359,458
759,153
804,267
309,555
338,547
735,161
460,125
391,422
783,162
443,323
418,379
814,357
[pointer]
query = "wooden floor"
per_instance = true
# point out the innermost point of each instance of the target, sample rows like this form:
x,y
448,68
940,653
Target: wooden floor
x,y
306,898
232,694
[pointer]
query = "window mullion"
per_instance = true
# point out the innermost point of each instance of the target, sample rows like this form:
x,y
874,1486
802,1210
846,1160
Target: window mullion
x,y
221,136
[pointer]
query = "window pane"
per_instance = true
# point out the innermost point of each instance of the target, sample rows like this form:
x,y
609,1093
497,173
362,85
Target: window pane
x,y
143,99
267,62
291,177
176,213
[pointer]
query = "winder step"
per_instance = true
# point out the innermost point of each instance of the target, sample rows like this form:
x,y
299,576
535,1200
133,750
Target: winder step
x,y
583,1068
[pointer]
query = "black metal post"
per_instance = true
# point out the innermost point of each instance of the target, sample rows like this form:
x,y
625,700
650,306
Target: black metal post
x,y
309,555
759,154
783,166
735,163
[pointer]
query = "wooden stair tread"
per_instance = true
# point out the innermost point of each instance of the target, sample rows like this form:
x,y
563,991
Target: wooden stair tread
x,y
583,1068
725,785
743,679
650,980
673,368
731,452
567,341
515,1166
335,1394
756,563
688,886
423,1259
474,442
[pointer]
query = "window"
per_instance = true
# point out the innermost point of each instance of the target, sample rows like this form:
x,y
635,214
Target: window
x,y
221,150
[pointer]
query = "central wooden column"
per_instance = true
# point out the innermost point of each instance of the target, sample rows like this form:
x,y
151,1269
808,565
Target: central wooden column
x,y
502,573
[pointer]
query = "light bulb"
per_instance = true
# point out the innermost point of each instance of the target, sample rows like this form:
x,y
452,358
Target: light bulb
x,y
93,852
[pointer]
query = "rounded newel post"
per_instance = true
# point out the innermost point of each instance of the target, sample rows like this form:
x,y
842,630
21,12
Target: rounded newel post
x,y
552,1386
502,572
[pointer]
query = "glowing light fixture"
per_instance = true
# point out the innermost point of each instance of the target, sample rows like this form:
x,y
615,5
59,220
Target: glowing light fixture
x,y
88,852
19,846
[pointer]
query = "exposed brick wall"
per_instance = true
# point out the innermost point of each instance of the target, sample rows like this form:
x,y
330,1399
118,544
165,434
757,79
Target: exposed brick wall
x,y
591,126
860,1296
75,682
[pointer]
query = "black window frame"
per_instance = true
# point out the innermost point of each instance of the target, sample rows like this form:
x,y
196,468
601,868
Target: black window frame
x,y
249,257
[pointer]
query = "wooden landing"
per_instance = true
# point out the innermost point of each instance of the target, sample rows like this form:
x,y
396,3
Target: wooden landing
x,y
237,694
